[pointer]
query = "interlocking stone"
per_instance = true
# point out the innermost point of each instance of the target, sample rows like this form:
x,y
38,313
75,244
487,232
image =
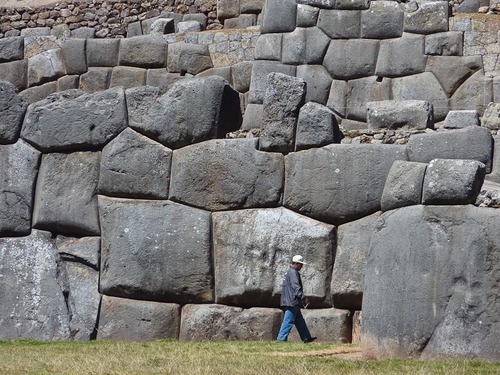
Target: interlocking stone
x,y
361,91
461,119
393,114
127,77
307,15
340,24
260,71
318,82
268,47
279,16
328,325
45,66
384,19
74,56
12,110
103,52
351,59
304,46
15,72
491,116
475,93
427,17
448,43
188,58
316,127
11,49
143,51
401,56
96,79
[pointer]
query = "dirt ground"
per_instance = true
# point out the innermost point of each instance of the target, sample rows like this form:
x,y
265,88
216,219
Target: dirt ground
x,y
353,354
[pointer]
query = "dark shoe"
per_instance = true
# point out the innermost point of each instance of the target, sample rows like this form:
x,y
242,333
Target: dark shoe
x,y
307,341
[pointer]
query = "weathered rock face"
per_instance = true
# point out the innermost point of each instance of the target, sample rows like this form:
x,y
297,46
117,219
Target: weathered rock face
x,y
12,110
431,284
406,114
328,325
155,250
249,267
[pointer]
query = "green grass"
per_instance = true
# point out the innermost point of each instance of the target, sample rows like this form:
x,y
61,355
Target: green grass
x,y
226,358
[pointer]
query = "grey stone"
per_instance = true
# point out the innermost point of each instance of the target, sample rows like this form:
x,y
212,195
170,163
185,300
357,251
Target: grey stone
x,y
223,71
304,46
143,51
241,22
251,6
74,120
83,250
316,127
452,181
193,110
18,170
249,268
260,71
74,56
337,98
159,26
268,47
12,110
384,19
475,93
61,31
364,90
468,6
328,325
282,101
129,320
218,322
279,16
102,52
134,166
59,206
423,86
448,43
35,31
37,93
33,303
227,9
348,125
175,17
340,24
472,142
403,186
199,17
241,74
329,4
256,177
318,82
494,176
252,119
449,268
491,116
68,82
401,56
15,72
188,58
83,33
134,29
352,58
162,79
352,4
307,15
189,26
428,18
96,79
402,114
353,240
127,77
155,250
338,183
461,119
11,49
34,45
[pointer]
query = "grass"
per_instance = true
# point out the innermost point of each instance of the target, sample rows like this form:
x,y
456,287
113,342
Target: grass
x,y
223,357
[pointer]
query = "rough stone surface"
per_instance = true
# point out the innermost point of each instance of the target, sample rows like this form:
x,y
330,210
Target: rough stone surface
x,y
61,208
155,250
316,127
384,19
282,101
162,79
96,79
45,66
340,24
449,268
461,119
73,120
130,320
350,59
15,72
448,43
307,15
452,181
83,250
279,16
491,116
249,268
472,142
401,56
31,265
304,46
353,240
318,82
339,183
189,26
428,17
102,52
352,4
268,47
475,93
188,58
361,91
135,166
37,93
12,110
254,178
260,71
253,117
241,74
127,77
11,49
337,98
143,51
406,114
68,82
328,325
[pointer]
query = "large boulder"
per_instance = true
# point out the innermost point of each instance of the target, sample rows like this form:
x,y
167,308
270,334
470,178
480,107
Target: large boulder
x,y
250,266
431,284
258,81
384,19
72,120
401,56
148,51
279,16
338,24
11,48
339,183
226,174
18,170
426,17
351,58
45,66
12,110
155,250
328,325
33,303
358,93
304,46
394,114
475,93
318,82
66,193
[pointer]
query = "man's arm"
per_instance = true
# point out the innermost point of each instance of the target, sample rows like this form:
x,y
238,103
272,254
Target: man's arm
x,y
296,286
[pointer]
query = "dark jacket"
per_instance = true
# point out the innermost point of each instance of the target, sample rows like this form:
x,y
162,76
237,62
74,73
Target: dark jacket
x,y
292,294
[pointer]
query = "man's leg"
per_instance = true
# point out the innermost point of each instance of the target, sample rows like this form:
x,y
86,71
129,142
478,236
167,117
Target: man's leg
x,y
301,325
287,325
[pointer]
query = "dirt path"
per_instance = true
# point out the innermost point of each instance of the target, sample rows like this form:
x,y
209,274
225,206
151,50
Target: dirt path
x,y
353,354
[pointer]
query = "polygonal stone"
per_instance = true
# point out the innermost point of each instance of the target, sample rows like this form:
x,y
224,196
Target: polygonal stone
x,y
129,320
34,45
448,43
337,97
251,6
201,18
304,46
428,17
45,66
227,9
307,15
249,268
243,21
189,26
318,82
403,186
384,19
240,75
472,142
461,119
144,51
68,82
316,127
329,4
83,33
393,114
260,71
15,72
352,4
340,24
188,58
475,93
18,170
102,52
223,71
74,56
348,125
350,59
85,250
74,120
328,325
252,119
338,183
37,93
61,31
491,116
162,79
256,178
96,79
159,26
11,49
12,110
155,250
127,77
279,16
268,47
65,198
364,90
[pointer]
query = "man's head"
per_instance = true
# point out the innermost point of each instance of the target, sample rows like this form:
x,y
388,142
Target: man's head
x,y
298,262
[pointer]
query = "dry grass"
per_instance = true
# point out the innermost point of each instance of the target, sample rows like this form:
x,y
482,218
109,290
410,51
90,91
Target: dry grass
x,y
226,358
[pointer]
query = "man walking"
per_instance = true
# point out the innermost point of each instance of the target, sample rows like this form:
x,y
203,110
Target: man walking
x,y
292,299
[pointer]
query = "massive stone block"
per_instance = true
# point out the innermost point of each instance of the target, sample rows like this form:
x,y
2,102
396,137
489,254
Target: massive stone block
x,y
65,198
316,127
304,46
337,98
18,170
433,276
449,43
218,322
472,142
148,51
318,82
268,47
193,110
129,320
260,71
226,174
12,110
84,250
11,48
33,304
426,17
340,24
491,117
249,268
351,59
461,119
127,77
37,93
188,58
401,56
134,166
328,325
475,93
103,52
338,183
393,114
384,19
155,250
45,66
279,16
73,120
361,91
307,15
96,79
352,4
74,56
15,72
353,240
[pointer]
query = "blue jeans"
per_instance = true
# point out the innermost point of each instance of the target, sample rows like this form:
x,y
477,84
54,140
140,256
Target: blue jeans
x,y
292,317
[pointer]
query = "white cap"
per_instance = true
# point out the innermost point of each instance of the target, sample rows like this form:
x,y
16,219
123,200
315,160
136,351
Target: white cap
x,y
298,259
